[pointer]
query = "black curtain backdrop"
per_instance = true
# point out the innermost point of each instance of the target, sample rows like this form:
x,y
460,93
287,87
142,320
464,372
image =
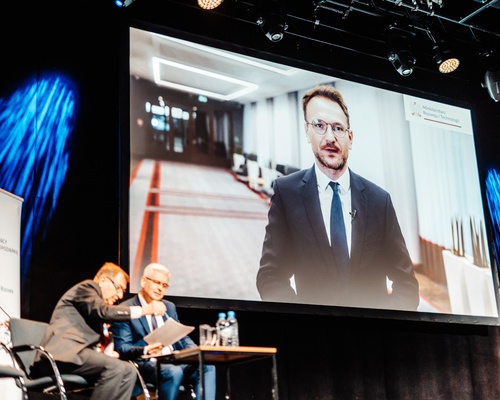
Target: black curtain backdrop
x,y
319,357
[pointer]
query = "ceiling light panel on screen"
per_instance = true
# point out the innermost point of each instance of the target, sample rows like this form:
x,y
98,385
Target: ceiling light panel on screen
x,y
262,64
170,73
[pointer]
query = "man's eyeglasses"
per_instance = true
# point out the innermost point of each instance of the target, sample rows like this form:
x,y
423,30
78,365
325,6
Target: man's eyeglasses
x,y
320,127
117,287
162,284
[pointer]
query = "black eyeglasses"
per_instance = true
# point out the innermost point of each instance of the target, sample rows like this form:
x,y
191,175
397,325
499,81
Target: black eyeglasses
x,y
320,127
162,284
117,287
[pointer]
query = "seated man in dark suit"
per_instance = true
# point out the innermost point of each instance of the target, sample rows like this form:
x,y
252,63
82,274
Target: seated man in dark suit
x,y
75,327
130,343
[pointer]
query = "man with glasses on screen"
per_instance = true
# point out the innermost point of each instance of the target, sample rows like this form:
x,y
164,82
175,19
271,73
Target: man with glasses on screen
x,y
130,343
313,255
75,328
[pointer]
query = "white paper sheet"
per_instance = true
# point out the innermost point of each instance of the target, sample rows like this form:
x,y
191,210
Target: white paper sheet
x,y
169,333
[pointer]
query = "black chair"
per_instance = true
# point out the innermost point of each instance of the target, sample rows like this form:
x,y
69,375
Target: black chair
x,y
26,336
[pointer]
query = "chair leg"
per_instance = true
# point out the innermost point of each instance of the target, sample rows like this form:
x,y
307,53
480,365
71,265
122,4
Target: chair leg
x,y
145,389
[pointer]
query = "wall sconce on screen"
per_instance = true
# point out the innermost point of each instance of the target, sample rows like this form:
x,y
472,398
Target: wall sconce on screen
x,y
209,4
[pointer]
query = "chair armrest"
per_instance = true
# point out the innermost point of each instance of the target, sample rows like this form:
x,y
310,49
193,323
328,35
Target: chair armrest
x,y
7,371
15,361
55,370
15,371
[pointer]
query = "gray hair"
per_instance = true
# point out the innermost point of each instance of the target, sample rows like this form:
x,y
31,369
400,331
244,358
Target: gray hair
x,y
155,267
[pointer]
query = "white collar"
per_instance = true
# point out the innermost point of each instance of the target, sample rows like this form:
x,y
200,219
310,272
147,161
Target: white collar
x,y
323,181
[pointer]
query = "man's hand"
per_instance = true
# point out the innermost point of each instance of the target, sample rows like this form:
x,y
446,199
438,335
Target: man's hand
x,y
153,349
154,308
113,354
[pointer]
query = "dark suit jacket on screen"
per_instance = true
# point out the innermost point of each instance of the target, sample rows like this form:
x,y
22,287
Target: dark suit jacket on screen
x,y
129,336
296,244
76,321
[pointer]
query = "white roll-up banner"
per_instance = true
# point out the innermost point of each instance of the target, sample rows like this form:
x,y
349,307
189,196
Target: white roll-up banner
x,y
10,278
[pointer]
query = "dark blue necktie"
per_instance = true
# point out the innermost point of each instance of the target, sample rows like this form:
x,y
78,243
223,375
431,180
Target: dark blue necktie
x,y
337,231
154,322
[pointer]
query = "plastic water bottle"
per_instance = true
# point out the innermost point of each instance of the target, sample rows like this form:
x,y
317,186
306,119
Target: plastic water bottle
x,y
222,330
233,336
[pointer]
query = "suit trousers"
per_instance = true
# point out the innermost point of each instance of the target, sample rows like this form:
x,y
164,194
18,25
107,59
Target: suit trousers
x,y
173,376
114,379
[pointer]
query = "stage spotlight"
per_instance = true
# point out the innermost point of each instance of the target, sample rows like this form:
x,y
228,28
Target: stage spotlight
x,y
209,4
273,26
403,61
399,42
272,20
123,3
492,83
445,59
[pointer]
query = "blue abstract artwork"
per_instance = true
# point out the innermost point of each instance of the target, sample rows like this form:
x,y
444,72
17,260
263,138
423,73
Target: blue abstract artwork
x,y
37,122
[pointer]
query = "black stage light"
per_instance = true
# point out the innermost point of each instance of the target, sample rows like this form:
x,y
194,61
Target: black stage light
x,y
209,4
400,54
403,61
272,20
492,83
445,58
273,26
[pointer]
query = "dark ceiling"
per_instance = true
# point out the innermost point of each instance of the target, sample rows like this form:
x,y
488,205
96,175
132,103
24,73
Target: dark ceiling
x,y
351,32
470,27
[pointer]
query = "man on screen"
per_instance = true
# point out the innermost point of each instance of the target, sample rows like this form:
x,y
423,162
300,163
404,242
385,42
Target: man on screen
x,y
299,242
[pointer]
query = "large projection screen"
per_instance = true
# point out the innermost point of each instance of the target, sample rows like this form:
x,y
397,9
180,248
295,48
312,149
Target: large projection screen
x,y
210,130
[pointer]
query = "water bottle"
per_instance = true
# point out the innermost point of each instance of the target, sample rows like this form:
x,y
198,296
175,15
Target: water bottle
x,y
233,336
222,330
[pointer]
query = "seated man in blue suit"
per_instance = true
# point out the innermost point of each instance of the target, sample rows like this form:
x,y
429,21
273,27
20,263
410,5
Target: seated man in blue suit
x,y
130,343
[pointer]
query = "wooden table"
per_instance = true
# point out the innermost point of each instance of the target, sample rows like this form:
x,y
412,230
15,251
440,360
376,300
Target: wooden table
x,y
223,355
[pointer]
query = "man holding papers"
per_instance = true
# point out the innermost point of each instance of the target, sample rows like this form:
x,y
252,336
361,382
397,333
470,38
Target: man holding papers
x,y
134,339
